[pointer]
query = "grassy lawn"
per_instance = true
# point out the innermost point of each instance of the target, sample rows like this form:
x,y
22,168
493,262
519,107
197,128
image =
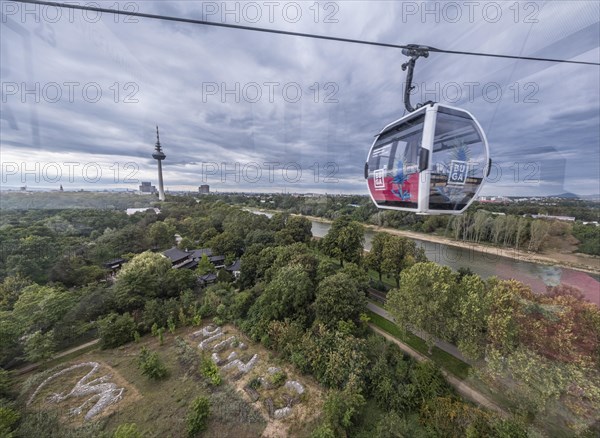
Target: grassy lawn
x,y
388,281
440,357
159,408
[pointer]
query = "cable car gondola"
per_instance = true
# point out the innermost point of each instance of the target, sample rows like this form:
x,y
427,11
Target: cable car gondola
x,y
431,161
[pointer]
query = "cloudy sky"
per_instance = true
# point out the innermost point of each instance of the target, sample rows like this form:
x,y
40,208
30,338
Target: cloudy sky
x,y
249,111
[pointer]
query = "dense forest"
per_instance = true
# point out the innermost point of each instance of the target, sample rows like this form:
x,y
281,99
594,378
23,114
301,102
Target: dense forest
x,y
306,301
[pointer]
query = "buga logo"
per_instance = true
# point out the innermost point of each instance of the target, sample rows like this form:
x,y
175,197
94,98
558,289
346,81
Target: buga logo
x,y
458,172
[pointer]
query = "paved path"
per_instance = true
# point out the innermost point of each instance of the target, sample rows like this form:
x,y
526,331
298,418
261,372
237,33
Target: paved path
x,y
33,366
442,345
461,387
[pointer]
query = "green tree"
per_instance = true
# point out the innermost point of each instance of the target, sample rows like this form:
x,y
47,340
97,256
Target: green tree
x,y
474,309
344,241
289,295
75,271
10,332
115,330
342,407
5,384
398,254
375,258
299,229
177,281
428,381
392,425
210,370
339,298
537,234
425,300
10,289
141,278
42,307
9,418
223,276
197,419
161,234
39,346
278,221
227,243
205,266
150,364
294,254
589,238
335,356
503,321
186,243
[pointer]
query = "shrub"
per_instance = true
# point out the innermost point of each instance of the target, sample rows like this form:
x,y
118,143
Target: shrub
x,y
254,383
116,330
278,379
210,371
171,325
323,431
151,365
127,430
198,415
8,420
4,383
186,355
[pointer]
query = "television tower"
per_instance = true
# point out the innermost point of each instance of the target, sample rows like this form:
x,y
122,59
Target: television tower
x,y
158,155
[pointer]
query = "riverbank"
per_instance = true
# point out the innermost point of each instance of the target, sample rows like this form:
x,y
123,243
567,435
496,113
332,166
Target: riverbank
x,y
579,262
590,265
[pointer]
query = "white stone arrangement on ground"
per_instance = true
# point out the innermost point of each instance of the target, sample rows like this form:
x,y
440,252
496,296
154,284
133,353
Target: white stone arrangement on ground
x,y
209,336
103,393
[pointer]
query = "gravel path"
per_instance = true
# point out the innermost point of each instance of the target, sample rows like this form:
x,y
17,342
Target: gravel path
x,y
34,366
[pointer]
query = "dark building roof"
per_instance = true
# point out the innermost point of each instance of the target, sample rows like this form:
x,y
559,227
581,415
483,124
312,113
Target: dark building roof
x,y
218,258
198,253
207,278
176,255
235,266
192,264
114,263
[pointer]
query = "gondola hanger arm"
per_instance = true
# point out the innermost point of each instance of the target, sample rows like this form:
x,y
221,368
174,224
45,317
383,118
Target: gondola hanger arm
x,y
414,51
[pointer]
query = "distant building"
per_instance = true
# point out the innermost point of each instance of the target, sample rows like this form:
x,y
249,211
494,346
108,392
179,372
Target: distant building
x,y
550,217
147,188
114,265
131,211
494,199
204,189
189,258
206,279
178,257
235,268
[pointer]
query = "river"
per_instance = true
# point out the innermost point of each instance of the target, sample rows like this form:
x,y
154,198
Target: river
x,y
489,263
